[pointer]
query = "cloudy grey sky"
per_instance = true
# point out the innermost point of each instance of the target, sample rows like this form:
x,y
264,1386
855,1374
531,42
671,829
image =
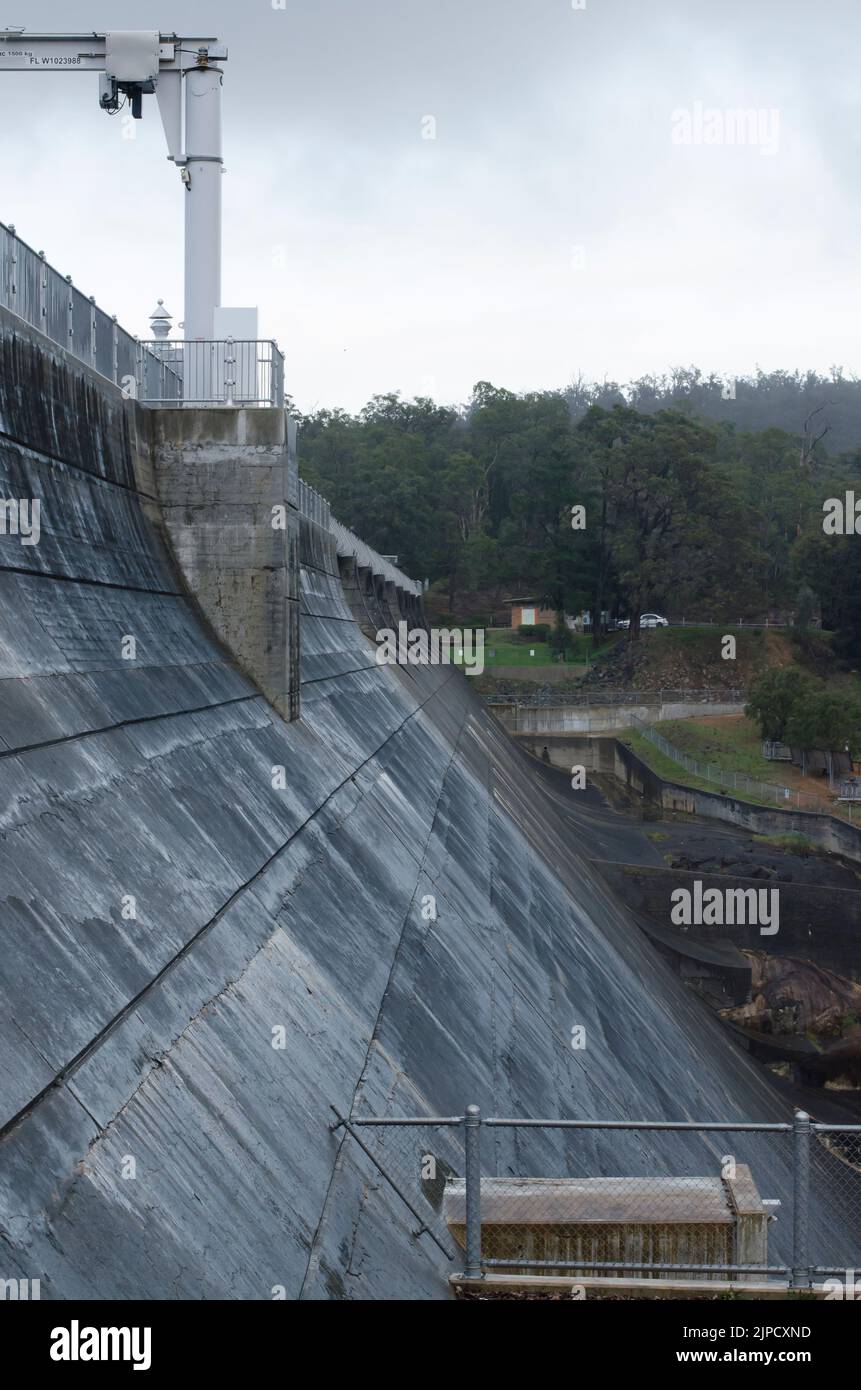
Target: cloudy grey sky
x,y
558,224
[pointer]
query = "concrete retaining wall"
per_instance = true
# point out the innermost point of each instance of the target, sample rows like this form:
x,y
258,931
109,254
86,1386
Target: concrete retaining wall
x,y
837,836
598,718
614,758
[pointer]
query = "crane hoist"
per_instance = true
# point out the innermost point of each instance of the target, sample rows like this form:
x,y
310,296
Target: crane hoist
x,y
132,64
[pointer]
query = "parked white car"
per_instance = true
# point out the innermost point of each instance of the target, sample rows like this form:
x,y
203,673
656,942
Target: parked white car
x,y
646,620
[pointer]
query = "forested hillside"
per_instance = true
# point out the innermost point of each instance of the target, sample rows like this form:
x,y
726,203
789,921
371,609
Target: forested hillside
x,y
668,495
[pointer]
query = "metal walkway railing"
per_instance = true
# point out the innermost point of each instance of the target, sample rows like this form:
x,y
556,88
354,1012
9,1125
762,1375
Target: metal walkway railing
x,y
47,300
156,372
210,371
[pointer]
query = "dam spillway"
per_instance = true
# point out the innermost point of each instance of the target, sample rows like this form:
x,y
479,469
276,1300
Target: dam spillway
x,y
168,903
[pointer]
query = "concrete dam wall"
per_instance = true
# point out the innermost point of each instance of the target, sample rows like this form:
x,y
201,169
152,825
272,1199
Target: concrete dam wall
x,y
186,875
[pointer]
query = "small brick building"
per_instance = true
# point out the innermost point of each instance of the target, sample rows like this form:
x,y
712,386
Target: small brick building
x,y
526,611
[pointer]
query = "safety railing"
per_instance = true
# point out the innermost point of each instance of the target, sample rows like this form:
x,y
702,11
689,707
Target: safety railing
x,y
48,301
156,371
598,696
229,371
772,1202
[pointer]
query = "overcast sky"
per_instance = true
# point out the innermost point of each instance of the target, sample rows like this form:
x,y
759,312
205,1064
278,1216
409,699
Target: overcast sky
x,y
579,210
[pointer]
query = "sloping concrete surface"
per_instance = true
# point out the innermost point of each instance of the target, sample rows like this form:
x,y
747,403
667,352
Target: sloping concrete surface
x,y
256,908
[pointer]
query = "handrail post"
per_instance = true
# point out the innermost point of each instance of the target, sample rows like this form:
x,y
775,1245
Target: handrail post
x,y
140,379
92,303
472,1176
801,1200
43,294
70,321
12,302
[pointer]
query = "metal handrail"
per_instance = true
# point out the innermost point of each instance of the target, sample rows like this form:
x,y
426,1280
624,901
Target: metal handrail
x,y
38,294
211,371
156,371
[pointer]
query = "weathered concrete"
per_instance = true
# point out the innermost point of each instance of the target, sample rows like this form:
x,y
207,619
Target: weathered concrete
x,y
228,486
564,751
292,900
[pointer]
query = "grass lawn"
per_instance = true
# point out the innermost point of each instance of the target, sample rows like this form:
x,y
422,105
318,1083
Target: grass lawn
x,y
732,741
501,650
672,771
502,647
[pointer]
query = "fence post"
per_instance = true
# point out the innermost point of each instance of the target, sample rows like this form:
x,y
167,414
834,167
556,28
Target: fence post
x,y
800,1199
70,308
43,294
92,302
472,1175
139,370
12,301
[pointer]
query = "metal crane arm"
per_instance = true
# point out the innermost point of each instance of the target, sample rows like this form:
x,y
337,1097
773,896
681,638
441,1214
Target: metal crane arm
x,y
136,62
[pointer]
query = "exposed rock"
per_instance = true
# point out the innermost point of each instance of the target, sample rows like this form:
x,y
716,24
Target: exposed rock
x,y
794,996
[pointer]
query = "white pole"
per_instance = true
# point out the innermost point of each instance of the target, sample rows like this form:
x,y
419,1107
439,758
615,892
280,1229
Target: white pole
x,y
203,200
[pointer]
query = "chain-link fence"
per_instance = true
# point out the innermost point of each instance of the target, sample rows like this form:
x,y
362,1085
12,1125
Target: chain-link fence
x,y
835,1166
772,793
776,1203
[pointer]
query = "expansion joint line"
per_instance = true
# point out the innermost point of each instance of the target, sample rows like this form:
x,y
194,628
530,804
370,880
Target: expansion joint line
x,y
124,724
395,957
73,1065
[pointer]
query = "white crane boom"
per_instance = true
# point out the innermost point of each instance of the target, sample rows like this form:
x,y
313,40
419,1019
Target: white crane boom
x,y
135,62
